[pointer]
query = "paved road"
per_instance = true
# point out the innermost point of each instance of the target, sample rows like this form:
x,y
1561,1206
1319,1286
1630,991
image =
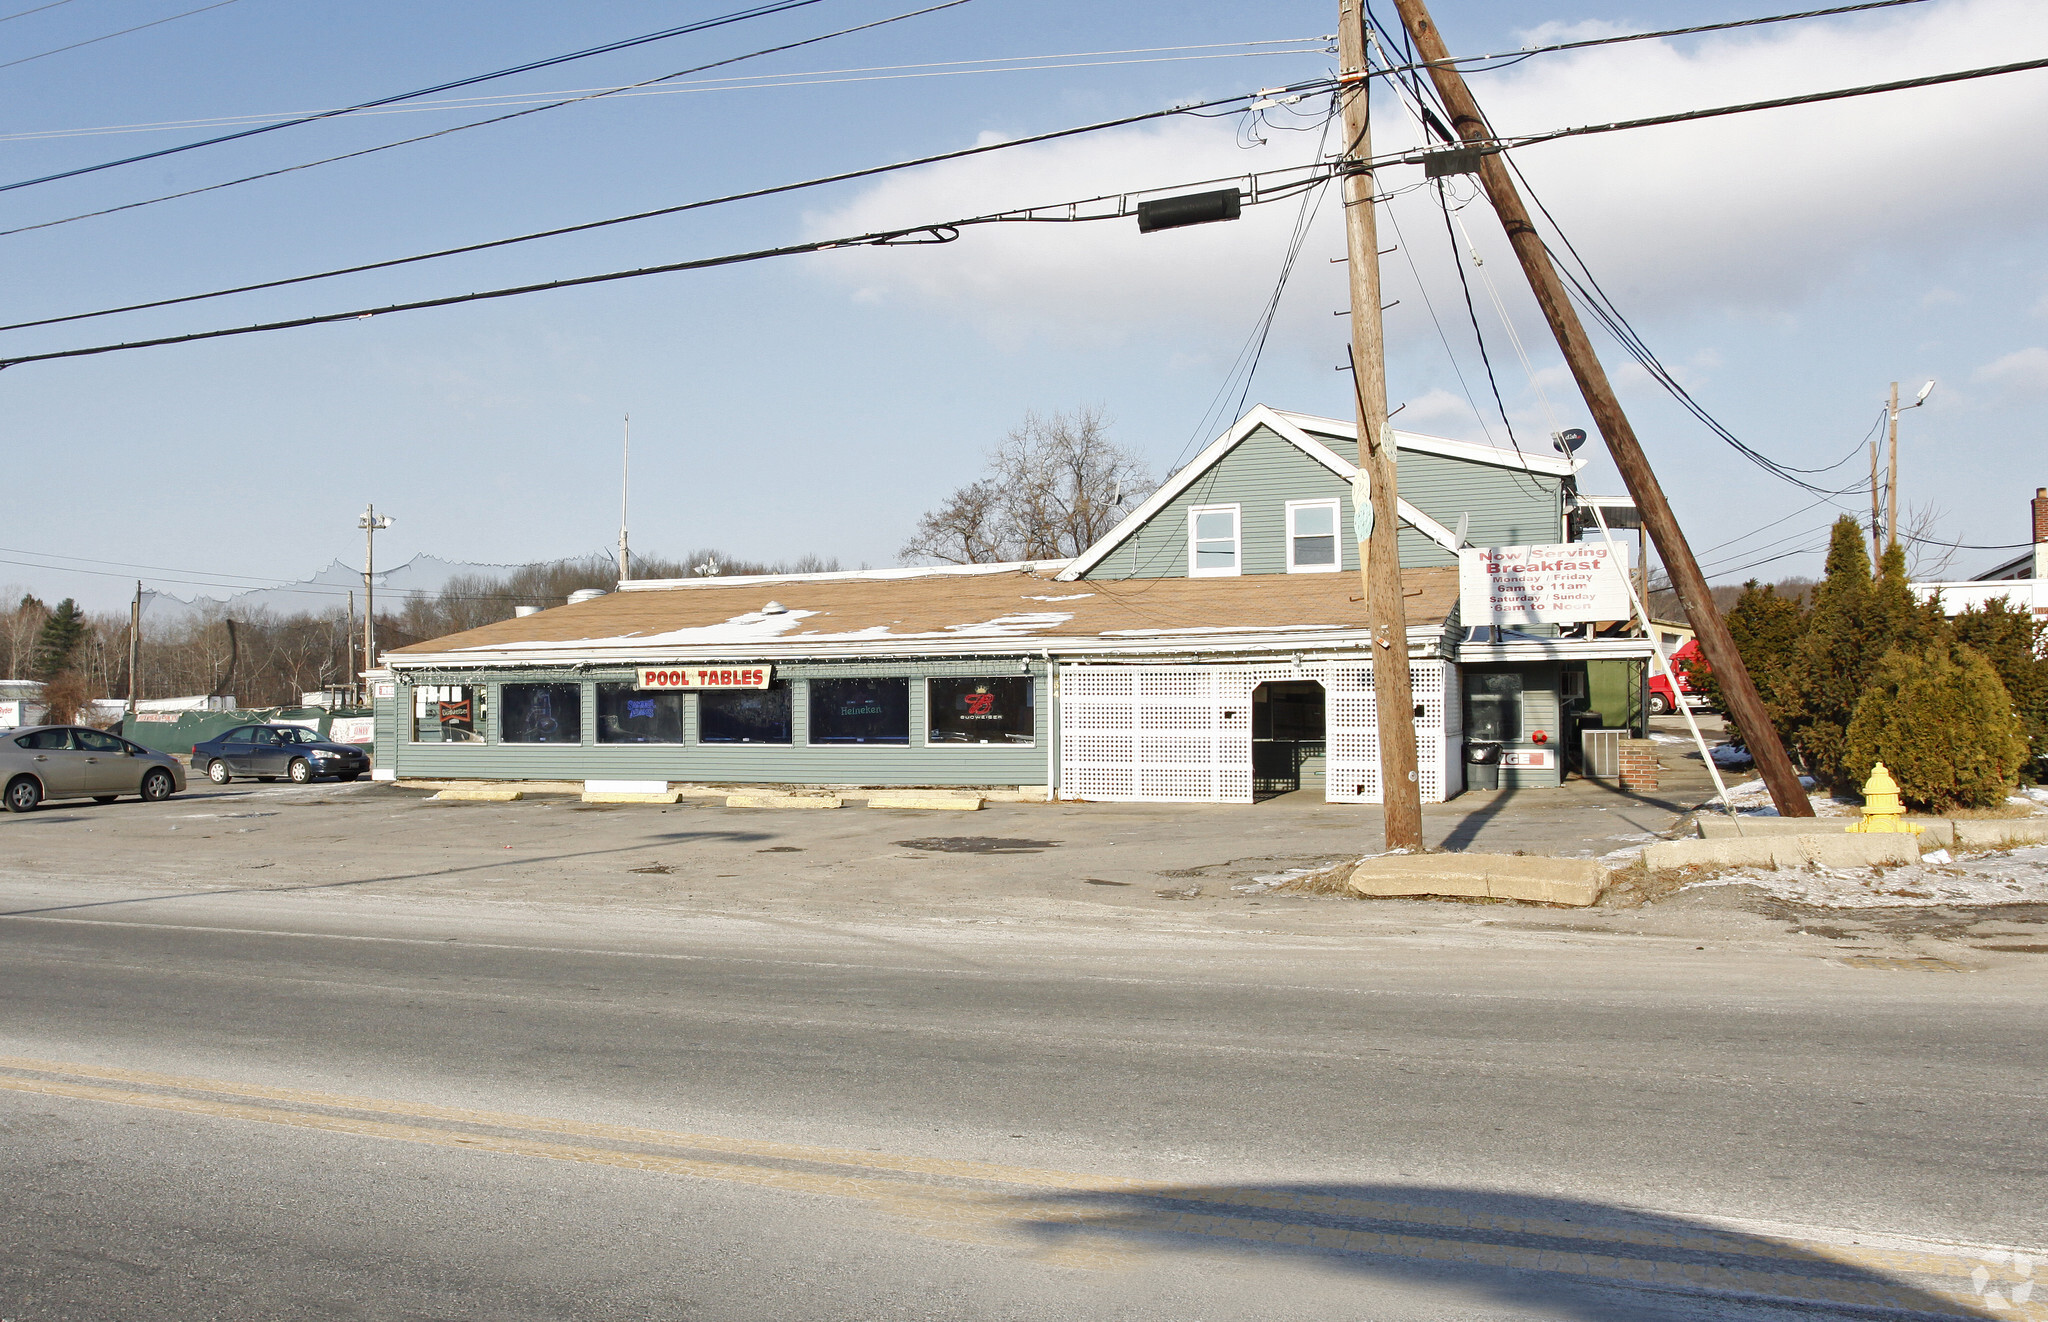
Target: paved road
x,y
307,1106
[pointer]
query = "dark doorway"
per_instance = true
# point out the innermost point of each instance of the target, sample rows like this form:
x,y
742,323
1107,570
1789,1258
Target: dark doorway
x,y
1287,737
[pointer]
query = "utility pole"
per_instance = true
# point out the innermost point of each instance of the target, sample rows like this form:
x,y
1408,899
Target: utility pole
x,y
371,523
1876,511
350,634
1379,553
1684,571
134,648
1891,480
625,481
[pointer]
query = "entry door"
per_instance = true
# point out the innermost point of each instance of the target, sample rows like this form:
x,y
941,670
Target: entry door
x,y
108,768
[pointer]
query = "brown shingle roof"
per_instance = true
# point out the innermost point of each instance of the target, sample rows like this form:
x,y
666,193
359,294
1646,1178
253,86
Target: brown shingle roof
x,y
1022,609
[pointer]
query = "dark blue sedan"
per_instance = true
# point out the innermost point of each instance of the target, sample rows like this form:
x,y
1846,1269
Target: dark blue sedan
x,y
266,752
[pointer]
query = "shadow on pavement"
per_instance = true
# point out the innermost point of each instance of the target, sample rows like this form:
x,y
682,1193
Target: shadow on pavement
x,y
1569,1258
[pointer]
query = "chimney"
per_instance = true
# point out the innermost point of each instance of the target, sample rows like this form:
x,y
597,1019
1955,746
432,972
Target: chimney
x,y
2041,532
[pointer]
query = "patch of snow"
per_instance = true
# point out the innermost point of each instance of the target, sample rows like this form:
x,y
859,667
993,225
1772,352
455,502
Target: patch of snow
x,y
1728,755
1274,880
1071,596
2018,877
1670,738
1937,856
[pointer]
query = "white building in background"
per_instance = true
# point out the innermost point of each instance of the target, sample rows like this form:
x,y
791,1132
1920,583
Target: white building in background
x,y
2022,580
21,703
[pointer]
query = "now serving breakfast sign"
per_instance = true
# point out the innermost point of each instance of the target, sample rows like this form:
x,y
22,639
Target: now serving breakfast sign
x,y
720,676
1542,584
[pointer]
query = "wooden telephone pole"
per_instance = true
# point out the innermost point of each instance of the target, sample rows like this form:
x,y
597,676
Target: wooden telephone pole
x,y
1891,479
1379,555
1736,686
134,649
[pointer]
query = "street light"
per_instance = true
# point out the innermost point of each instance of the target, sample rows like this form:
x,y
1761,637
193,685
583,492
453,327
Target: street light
x,y
371,523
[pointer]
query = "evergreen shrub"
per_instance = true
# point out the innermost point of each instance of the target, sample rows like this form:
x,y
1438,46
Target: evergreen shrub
x,y
1941,721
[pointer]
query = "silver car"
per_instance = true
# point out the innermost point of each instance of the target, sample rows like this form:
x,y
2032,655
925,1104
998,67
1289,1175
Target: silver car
x,y
71,762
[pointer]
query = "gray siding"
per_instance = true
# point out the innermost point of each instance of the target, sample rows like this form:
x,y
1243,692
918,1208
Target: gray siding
x,y
1263,472
795,763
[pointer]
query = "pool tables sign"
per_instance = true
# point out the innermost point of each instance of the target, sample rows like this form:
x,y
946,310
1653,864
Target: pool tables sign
x,y
716,676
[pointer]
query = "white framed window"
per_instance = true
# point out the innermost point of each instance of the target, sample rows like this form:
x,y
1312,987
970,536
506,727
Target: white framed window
x,y
1312,546
1213,542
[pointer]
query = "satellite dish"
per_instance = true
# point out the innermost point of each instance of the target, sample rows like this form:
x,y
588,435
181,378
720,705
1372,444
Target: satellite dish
x,y
1464,526
1569,440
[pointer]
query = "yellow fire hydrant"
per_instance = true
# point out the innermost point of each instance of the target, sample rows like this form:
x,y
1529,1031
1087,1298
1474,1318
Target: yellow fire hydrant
x,y
1882,811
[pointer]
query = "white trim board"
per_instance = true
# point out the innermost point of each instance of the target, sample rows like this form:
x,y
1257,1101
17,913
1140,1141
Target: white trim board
x,y
1286,426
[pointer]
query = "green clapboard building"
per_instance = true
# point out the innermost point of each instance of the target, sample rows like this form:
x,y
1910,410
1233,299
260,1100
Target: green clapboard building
x,y
1212,647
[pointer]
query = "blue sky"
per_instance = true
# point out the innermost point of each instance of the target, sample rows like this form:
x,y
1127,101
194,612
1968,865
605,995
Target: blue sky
x,y
1787,265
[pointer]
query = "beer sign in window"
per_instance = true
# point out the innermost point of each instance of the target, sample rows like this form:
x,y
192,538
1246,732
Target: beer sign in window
x,y
996,710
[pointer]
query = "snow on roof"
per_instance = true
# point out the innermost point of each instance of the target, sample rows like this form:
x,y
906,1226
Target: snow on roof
x,y
1007,610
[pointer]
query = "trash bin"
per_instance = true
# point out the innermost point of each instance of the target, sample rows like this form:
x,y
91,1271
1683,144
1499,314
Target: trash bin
x,y
1482,765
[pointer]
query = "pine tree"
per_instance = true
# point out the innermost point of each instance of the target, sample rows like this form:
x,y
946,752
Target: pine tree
x,y
58,642
1835,657
2016,645
1766,628
1942,723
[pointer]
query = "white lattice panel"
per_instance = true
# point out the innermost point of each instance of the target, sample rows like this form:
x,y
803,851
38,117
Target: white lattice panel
x,y
1183,733
1352,734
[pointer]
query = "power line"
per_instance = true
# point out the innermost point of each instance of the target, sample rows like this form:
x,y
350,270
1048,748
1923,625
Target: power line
x,y
1527,51
1776,103
703,25
24,13
771,191
935,232
475,124
749,82
92,41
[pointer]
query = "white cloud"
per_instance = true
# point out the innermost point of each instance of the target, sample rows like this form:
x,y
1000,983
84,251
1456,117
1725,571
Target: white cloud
x,y
1754,213
2024,370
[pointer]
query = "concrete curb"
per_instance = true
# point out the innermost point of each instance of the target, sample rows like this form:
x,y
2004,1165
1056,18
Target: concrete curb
x,y
1968,833
1839,850
1574,881
925,799
481,796
767,800
524,786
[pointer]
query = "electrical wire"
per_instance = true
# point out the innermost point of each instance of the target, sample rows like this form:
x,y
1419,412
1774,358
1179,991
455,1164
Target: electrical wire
x,y
1516,57
702,25
750,82
771,191
936,232
93,41
24,13
1776,103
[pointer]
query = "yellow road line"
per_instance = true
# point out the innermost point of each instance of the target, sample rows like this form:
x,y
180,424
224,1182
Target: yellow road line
x,y
996,1217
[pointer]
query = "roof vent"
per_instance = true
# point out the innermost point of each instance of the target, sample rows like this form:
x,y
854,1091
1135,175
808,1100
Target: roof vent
x,y
521,612
775,608
585,594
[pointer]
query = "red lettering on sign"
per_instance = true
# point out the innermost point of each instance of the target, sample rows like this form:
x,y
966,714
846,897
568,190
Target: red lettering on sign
x,y
980,704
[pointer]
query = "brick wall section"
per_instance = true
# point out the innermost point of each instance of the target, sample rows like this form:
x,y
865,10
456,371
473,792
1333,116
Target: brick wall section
x,y
1639,764
2041,514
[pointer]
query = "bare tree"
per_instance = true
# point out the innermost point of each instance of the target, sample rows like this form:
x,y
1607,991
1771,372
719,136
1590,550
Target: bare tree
x,y
1054,487
1927,556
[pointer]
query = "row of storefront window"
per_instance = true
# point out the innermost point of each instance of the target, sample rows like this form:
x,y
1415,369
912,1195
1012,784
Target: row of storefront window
x,y
997,709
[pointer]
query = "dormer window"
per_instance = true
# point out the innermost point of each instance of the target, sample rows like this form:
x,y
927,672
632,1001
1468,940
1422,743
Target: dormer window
x,y
1213,541
1312,537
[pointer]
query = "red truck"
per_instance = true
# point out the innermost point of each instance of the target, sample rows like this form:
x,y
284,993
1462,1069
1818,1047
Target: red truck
x,y
1687,658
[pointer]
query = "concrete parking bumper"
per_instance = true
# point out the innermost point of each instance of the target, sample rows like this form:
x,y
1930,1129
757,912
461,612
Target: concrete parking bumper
x,y
1575,881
